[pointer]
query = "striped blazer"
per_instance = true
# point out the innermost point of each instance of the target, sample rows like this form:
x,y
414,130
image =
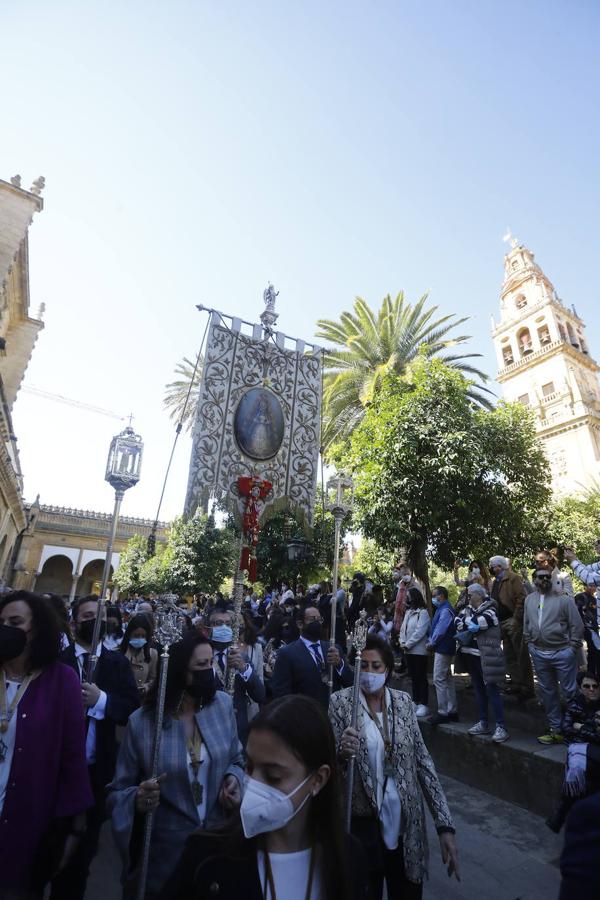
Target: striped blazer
x,y
176,816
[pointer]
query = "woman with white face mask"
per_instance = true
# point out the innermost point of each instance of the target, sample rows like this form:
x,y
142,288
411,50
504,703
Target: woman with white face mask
x,y
393,771
288,841
136,647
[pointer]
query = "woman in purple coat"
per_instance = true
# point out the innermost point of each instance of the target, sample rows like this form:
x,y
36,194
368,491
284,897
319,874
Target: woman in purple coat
x,y
44,784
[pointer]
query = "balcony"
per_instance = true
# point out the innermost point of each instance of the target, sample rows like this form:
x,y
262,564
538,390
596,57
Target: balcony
x,y
537,354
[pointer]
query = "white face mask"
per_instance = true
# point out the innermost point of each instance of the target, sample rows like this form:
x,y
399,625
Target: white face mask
x,y
372,682
475,571
406,578
265,809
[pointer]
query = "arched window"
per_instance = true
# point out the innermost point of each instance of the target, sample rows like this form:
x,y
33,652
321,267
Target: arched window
x,y
572,336
525,342
508,355
544,335
521,301
562,332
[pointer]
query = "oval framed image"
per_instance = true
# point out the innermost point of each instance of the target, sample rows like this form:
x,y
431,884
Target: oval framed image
x,y
259,424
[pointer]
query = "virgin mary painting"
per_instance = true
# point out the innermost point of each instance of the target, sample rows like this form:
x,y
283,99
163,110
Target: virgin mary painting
x,y
258,424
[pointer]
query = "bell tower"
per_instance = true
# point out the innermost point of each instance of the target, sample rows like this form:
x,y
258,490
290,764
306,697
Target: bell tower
x,y
544,362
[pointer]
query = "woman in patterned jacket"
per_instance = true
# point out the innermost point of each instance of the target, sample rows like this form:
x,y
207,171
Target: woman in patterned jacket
x,y
393,772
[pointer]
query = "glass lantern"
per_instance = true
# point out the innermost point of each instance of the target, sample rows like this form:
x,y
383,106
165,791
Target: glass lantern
x,y
124,460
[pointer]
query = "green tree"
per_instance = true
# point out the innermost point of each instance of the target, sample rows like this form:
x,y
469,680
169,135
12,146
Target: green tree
x,y
127,576
575,522
272,553
153,574
176,393
376,562
442,478
374,345
198,556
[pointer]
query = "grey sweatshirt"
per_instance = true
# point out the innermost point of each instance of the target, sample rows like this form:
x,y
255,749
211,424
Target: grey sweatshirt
x,y
560,626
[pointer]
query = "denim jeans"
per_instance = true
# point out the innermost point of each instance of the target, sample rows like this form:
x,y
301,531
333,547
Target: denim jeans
x,y
552,669
484,692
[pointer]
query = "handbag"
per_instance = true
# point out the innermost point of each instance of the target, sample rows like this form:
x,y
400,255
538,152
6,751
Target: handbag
x,y
463,639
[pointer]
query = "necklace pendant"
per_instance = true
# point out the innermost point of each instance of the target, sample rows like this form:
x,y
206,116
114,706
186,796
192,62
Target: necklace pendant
x,y
197,792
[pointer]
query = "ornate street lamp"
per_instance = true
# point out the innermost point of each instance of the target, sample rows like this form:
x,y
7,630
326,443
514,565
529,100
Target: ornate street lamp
x,y
343,486
296,550
122,472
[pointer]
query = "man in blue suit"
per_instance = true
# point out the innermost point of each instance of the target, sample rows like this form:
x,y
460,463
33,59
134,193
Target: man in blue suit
x,y
302,667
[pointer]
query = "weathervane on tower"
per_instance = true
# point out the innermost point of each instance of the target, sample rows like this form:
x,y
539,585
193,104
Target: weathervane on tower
x,y
269,317
509,236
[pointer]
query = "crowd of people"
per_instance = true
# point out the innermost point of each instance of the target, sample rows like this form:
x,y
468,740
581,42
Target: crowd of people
x,y
260,733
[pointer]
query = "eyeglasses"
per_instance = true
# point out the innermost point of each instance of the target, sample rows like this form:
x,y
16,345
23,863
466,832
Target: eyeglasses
x,y
589,687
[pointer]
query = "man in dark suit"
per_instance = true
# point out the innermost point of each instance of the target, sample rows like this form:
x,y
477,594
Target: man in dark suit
x,y
108,702
579,861
248,684
302,667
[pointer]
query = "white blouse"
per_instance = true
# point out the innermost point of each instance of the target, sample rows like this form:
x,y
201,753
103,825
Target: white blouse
x,y
7,739
290,876
390,806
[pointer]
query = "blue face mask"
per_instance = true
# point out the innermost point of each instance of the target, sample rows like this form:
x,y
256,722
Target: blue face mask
x,y
436,601
138,643
222,634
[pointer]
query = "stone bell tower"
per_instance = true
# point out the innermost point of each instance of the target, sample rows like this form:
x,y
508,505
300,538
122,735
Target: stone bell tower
x,y
544,362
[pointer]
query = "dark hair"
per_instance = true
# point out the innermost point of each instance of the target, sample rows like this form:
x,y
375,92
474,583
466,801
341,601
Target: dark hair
x,y
374,642
113,612
302,724
45,644
79,601
140,620
302,612
250,631
58,605
273,624
441,590
179,660
416,598
590,675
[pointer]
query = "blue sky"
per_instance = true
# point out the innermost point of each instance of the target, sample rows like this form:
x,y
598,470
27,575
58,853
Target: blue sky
x,y
194,150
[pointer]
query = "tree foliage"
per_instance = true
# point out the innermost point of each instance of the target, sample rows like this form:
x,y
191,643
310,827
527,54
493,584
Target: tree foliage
x,y
272,553
575,522
442,478
374,345
176,393
196,559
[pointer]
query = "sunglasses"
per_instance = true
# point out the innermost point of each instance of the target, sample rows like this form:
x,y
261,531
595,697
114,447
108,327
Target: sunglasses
x,y
589,687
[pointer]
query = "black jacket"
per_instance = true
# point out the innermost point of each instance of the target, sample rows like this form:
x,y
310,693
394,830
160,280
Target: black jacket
x,y
218,866
579,861
296,672
114,676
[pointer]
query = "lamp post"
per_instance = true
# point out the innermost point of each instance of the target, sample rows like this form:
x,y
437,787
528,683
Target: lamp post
x,y
341,506
122,472
296,550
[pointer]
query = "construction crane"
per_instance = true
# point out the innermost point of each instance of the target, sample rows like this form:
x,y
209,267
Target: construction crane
x,y
68,401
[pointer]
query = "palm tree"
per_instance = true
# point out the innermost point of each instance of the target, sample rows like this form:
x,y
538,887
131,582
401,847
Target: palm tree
x,y
181,396
372,345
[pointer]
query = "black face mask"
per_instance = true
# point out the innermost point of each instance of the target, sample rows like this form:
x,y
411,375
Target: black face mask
x,y
12,642
203,686
312,631
286,635
85,630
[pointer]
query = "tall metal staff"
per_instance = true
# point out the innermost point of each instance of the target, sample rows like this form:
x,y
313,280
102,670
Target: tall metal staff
x,y
169,623
359,639
123,468
343,486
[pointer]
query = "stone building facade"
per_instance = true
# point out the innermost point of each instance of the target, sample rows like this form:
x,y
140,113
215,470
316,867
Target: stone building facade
x,y
63,550
544,362
18,334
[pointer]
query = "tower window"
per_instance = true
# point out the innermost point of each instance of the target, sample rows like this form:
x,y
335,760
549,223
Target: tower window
x,y
507,356
524,399
544,335
525,343
563,333
548,389
521,301
514,264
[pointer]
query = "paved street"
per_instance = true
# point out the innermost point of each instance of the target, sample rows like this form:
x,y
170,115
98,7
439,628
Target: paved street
x,y
506,854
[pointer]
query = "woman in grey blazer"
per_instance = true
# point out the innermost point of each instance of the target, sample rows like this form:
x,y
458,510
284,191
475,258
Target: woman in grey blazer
x,y
201,764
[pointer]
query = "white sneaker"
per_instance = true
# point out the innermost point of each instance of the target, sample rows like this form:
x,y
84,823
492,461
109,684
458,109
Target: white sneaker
x,y
479,728
422,711
500,735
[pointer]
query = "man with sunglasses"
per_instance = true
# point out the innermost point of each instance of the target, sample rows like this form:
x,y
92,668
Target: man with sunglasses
x,y
553,634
